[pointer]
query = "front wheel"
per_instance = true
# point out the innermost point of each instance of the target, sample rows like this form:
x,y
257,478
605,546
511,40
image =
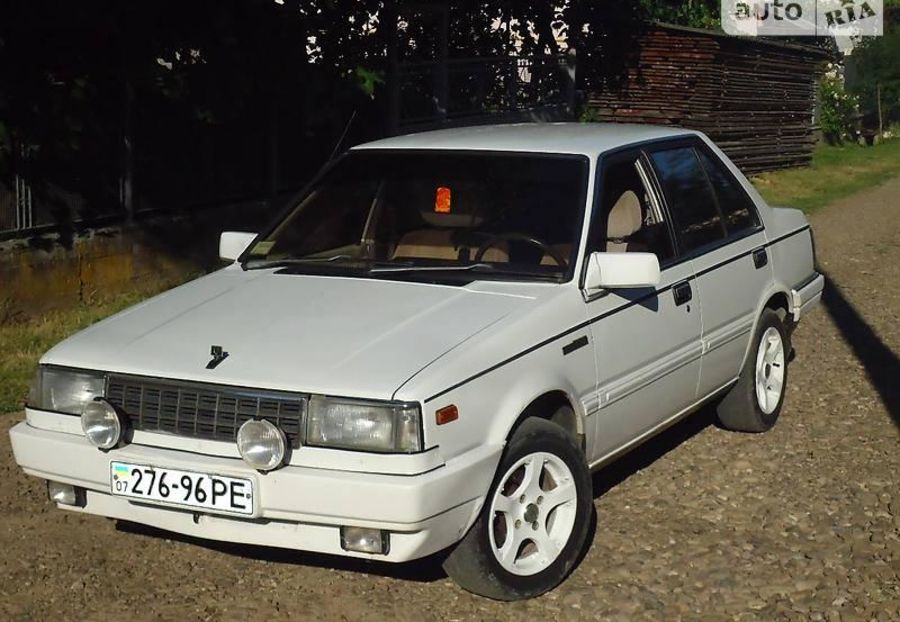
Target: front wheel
x,y
754,402
535,519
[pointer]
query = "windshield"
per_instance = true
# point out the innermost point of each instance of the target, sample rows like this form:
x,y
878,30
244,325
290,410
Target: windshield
x,y
397,213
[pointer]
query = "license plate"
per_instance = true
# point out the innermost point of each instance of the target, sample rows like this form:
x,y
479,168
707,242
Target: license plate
x,y
184,488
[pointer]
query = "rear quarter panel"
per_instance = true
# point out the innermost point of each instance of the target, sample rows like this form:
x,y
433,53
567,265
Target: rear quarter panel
x,y
791,250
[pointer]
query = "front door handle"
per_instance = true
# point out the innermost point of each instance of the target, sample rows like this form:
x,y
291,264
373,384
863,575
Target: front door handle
x,y
760,258
682,292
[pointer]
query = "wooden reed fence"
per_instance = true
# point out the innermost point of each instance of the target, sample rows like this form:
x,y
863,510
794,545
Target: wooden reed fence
x,y
755,98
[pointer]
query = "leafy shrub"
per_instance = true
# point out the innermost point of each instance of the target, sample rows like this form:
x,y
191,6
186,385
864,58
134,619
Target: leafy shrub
x,y
838,109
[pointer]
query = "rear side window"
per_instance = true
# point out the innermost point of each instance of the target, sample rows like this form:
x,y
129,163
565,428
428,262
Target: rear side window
x,y
736,206
690,197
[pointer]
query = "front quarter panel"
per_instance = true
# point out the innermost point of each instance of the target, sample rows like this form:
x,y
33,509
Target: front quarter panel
x,y
492,379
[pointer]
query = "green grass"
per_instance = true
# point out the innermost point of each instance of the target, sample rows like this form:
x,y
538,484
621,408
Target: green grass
x,y
836,172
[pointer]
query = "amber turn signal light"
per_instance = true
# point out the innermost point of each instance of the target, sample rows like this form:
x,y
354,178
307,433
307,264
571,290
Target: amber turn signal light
x,y
446,414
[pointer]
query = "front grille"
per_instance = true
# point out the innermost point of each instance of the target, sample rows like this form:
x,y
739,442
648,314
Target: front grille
x,y
203,410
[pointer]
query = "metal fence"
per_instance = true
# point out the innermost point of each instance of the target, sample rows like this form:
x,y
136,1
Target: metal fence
x,y
206,171
24,212
17,212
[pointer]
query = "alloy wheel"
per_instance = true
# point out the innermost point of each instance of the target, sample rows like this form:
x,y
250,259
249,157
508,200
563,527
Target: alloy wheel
x,y
532,513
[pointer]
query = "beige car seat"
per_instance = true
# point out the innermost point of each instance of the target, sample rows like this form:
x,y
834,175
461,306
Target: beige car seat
x,y
563,250
438,244
624,220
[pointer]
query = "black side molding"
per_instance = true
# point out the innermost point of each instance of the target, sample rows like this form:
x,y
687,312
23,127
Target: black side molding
x,y
575,345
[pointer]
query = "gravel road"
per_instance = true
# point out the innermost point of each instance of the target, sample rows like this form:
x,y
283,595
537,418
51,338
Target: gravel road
x,y
802,523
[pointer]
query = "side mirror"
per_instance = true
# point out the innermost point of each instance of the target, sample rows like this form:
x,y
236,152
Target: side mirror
x,y
621,271
233,243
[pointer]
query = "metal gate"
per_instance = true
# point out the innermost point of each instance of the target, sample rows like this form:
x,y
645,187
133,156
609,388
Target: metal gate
x,y
16,207
16,203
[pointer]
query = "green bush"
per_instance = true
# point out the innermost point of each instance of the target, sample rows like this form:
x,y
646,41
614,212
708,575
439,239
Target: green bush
x,y
838,109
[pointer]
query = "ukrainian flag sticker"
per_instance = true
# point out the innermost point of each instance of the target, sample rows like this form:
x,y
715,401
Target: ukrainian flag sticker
x,y
120,471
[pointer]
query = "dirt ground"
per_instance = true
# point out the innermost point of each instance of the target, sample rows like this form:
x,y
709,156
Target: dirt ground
x,y
802,523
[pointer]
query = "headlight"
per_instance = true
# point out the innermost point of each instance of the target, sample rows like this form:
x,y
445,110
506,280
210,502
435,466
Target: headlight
x,y
367,426
101,424
261,444
64,390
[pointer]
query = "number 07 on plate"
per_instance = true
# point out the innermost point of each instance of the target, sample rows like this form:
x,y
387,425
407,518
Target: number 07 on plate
x,y
189,489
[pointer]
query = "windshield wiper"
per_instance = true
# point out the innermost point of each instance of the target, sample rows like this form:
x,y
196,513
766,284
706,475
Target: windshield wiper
x,y
481,268
373,267
251,264
413,268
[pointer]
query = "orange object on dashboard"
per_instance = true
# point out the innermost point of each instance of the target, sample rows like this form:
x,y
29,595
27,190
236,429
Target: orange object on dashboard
x,y
442,200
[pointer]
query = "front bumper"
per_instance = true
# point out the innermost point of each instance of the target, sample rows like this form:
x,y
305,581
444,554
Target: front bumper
x,y
296,507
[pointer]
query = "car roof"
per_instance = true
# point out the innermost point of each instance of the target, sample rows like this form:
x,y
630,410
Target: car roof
x,y
588,139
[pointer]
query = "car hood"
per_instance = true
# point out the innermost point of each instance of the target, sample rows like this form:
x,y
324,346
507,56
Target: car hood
x,y
339,336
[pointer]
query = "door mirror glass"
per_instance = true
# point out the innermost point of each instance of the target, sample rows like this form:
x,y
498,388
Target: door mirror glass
x,y
621,271
233,243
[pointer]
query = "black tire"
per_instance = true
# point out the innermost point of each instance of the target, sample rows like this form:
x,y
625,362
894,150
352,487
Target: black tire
x,y
473,565
740,409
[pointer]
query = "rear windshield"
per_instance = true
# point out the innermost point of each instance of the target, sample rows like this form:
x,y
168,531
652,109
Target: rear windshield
x,y
491,214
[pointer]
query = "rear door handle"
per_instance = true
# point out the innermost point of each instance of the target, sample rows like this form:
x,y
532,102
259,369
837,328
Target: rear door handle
x,y
760,258
682,292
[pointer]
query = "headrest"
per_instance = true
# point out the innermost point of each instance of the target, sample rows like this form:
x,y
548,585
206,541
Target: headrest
x,y
625,217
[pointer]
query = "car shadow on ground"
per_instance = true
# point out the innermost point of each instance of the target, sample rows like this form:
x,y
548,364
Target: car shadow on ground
x,y
642,456
426,570
429,570
880,362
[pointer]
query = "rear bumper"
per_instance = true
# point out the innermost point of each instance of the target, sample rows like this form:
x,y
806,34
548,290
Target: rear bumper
x,y
296,507
806,297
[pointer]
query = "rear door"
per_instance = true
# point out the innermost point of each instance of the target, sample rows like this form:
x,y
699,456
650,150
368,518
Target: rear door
x,y
647,340
718,228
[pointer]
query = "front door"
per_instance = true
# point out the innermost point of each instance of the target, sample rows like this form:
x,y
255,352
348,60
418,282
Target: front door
x,y
647,341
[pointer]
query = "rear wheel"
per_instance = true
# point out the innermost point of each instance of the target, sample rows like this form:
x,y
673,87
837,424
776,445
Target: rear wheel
x,y
754,403
535,519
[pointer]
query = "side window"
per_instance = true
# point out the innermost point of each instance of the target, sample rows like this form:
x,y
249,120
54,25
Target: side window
x,y
628,217
736,206
690,198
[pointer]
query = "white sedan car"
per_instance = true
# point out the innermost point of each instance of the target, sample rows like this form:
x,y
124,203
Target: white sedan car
x,y
432,349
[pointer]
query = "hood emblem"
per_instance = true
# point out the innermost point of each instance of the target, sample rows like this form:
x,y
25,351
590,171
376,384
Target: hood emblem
x,y
218,355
